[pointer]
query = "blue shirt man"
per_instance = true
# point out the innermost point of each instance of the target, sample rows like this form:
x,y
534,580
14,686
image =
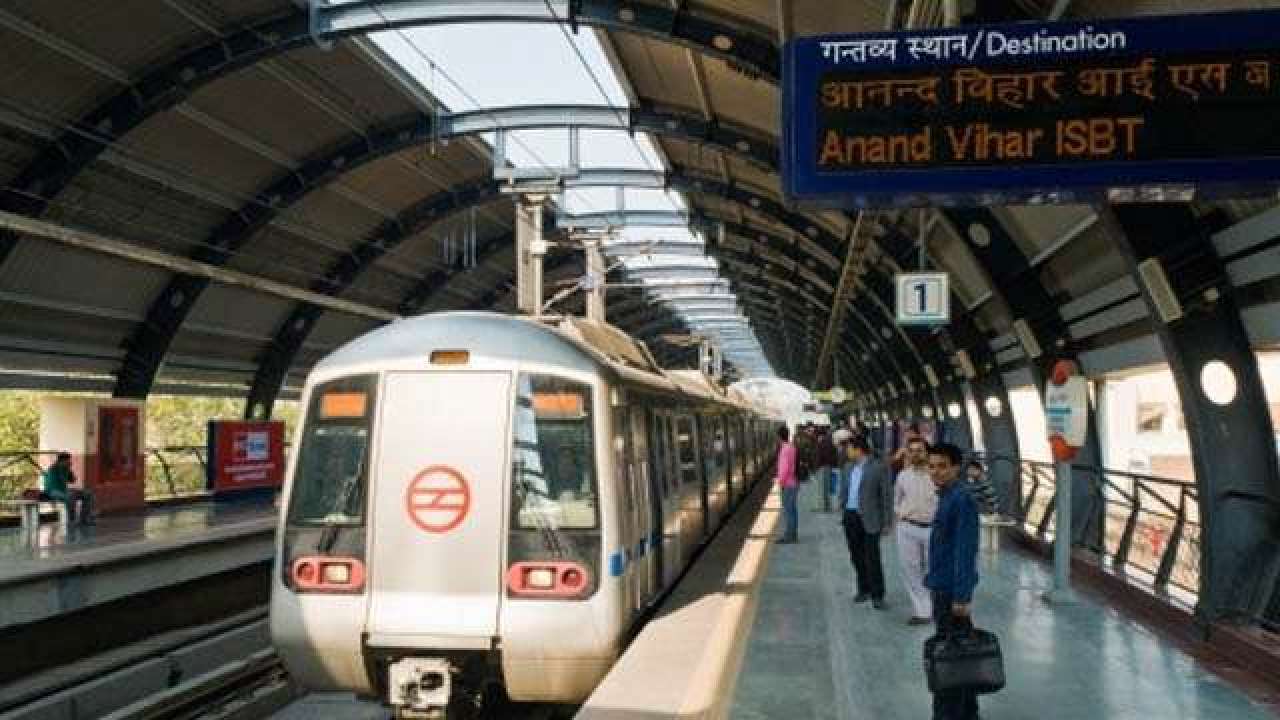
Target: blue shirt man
x,y
953,565
855,484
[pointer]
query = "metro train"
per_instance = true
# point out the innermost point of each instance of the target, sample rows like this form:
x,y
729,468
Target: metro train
x,y
489,503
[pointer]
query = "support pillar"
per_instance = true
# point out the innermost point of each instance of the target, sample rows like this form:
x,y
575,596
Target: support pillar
x,y
1197,320
595,285
530,249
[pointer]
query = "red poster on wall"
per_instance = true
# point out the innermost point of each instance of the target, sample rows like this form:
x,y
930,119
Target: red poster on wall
x,y
118,452
114,468
245,455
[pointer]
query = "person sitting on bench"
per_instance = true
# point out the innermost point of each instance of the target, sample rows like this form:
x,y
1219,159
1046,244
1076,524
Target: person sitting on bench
x,y
58,480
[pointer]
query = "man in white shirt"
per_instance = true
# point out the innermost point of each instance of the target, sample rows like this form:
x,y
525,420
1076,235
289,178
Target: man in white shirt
x,y
915,500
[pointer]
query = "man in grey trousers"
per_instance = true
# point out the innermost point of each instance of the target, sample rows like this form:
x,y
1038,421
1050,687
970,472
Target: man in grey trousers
x,y
866,497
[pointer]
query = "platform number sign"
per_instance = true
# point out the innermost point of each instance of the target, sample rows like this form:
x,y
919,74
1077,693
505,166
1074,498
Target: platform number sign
x,y
923,299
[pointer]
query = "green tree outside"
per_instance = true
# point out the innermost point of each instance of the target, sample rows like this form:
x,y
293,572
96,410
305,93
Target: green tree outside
x,y
172,422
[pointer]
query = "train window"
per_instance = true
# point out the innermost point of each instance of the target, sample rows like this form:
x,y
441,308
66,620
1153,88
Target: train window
x,y
554,457
671,464
621,455
639,453
329,484
688,452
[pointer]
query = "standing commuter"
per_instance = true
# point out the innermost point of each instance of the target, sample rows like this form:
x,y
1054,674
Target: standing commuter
x,y
866,496
983,493
842,438
953,566
58,480
804,451
825,459
787,481
909,433
915,500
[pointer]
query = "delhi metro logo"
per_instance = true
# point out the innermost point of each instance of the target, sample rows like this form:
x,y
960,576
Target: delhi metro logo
x,y
438,499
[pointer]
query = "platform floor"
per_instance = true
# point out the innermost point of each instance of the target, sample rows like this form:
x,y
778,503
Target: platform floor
x,y
54,545
814,653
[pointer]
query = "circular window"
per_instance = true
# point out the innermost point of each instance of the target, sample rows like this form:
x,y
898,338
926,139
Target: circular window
x,y
954,410
979,234
1218,382
927,411
994,406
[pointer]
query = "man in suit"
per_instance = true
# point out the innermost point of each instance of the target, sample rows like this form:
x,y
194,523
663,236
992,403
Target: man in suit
x,y
866,496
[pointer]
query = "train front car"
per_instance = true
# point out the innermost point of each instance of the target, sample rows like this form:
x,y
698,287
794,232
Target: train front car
x,y
443,524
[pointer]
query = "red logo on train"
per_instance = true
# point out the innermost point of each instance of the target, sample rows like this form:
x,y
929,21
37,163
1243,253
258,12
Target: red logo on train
x,y
438,499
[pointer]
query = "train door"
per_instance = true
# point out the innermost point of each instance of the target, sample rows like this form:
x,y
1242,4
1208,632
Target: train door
x,y
642,487
730,459
438,487
628,509
693,497
672,540
656,540
700,471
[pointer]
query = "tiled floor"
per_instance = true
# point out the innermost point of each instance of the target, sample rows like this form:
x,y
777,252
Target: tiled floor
x,y
814,653
156,523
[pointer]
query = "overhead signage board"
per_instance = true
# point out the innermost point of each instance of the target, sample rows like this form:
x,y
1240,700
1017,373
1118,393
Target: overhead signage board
x,y
923,299
1134,109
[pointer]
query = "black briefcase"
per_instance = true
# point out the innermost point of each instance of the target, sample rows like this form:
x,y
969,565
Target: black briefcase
x,y
968,659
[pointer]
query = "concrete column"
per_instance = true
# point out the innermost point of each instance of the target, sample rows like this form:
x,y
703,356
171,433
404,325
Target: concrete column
x,y
596,281
530,247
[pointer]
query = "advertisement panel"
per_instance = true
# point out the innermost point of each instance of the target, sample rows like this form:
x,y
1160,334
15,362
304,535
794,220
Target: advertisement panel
x,y
1133,109
245,456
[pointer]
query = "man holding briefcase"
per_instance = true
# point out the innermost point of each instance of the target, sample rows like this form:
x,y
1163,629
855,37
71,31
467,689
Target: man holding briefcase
x,y
953,567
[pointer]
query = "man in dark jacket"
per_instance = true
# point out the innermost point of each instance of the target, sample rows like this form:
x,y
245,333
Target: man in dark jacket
x,y
826,459
953,566
866,497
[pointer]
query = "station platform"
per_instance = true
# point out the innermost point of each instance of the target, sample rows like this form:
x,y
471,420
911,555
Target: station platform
x,y
814,653
62,570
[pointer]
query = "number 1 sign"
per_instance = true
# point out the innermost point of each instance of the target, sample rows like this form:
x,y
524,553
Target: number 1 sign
x,y
923,299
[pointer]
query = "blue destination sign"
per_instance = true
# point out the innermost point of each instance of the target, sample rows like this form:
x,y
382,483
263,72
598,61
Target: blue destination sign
x,y
1137,109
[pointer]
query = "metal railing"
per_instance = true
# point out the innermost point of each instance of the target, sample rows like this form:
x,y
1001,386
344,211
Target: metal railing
x,y
1146,527
170,472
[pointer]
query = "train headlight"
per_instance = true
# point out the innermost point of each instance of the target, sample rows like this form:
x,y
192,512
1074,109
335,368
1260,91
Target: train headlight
x,y
552,579
540,579
335,574
326,574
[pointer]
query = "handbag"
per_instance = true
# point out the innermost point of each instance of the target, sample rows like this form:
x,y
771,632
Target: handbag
x,y
968,659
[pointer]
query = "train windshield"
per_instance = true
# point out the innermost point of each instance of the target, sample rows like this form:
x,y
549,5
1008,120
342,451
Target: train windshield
x,y
332,471
554,457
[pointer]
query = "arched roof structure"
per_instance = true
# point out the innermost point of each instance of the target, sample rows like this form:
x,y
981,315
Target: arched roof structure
x,y
226,133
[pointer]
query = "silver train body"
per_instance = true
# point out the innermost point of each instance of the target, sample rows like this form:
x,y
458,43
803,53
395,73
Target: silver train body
x,y
479,499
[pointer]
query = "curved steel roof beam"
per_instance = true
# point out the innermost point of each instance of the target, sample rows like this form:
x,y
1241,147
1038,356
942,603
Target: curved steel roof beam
x,y
165,315
768,317
761,296
735,40
172,82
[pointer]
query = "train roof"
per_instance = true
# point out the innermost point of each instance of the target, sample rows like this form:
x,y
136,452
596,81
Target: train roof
x,y
570,342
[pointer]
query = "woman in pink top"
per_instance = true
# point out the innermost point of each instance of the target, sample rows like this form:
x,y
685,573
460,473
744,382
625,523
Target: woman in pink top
x,y
787,481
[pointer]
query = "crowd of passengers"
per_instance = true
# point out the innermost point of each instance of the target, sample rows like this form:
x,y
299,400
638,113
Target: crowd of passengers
x,y
924,494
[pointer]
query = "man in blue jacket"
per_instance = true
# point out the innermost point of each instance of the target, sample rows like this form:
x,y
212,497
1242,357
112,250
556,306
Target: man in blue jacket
x,y
953,566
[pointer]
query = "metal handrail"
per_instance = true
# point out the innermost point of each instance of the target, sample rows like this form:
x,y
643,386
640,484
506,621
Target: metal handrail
x,y
168,471
1147,498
